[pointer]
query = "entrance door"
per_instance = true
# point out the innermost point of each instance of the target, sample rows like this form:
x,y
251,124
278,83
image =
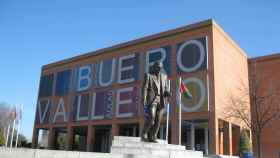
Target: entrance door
x,y
195,135
186,135
199,140
102,141
131,130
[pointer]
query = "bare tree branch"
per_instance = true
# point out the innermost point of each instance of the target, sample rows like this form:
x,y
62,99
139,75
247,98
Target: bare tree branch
x,y
265,106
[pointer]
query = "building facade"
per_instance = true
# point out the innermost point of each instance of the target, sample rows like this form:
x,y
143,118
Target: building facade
x,y
90,98
265,71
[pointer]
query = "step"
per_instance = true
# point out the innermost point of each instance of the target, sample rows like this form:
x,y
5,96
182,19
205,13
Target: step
x,y
147,145
156,152
134,139
134,147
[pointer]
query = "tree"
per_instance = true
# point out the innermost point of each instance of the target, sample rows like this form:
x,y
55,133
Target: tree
x,y
4,115
22,141
4,121
2,138
265,107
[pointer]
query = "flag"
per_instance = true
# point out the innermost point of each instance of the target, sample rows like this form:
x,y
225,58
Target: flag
x,y
18,114
185,91
182,89
13,114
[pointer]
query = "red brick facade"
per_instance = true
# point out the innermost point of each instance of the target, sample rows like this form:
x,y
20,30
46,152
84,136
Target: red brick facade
x,y
207,59
265,69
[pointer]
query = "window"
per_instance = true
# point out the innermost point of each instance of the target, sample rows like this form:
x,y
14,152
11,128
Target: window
x,y
106,72
131,130
62,82
159,54
102,105
46,85
81,107
84,78
192,55
43,111
128,68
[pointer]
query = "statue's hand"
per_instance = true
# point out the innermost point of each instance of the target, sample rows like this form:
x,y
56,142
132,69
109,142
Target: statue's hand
x,y
166,94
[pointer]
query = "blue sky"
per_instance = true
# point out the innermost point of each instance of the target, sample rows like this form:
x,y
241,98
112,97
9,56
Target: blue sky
x,y
34,33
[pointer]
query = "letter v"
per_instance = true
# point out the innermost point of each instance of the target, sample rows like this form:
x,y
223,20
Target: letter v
x,y
42,117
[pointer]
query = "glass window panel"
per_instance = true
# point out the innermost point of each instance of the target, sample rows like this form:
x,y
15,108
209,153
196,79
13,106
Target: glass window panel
x,y
84,106
46,85
62,82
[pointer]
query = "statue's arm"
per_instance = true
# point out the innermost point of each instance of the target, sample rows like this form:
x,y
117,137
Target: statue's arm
x,y
145,88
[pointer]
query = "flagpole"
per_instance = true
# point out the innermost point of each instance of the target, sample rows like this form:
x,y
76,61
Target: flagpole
x,y
19,123
167,123
7,137
12,136
13,130
167,117
5,133
8,129
180,112
18,127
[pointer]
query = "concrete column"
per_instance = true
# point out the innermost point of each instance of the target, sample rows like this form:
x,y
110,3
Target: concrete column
x,y
230,138
115,130
227,138
90,138
221,142
69,138
174,117
192,136
51,138
213,125
134,131
141,125
174,125
174,131
35,138
206,140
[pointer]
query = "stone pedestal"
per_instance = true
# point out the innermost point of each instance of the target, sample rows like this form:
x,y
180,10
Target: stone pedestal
x,y
134,148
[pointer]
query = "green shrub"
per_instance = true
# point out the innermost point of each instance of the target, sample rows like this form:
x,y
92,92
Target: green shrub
x,y
245,144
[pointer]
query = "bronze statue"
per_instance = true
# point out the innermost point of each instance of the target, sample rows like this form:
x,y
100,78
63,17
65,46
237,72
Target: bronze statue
x,y
155,89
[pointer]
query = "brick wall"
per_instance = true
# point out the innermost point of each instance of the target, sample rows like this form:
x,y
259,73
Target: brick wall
x,y
268,75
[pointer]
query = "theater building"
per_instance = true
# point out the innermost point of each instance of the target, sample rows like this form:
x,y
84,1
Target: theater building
x,y
86,100
265,70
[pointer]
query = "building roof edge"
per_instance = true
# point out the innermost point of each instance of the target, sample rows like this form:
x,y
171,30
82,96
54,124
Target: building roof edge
x,y
265,57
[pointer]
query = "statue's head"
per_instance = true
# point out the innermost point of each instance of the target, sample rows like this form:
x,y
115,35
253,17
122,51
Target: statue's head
x,y
157,66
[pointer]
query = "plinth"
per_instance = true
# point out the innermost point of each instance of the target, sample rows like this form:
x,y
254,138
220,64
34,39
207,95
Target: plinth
x,y
133,147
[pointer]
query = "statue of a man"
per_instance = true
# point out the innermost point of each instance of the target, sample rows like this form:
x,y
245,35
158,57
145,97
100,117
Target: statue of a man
x,y
155,89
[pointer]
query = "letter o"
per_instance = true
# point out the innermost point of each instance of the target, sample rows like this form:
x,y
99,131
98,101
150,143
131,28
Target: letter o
x,y
202,97
201,57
